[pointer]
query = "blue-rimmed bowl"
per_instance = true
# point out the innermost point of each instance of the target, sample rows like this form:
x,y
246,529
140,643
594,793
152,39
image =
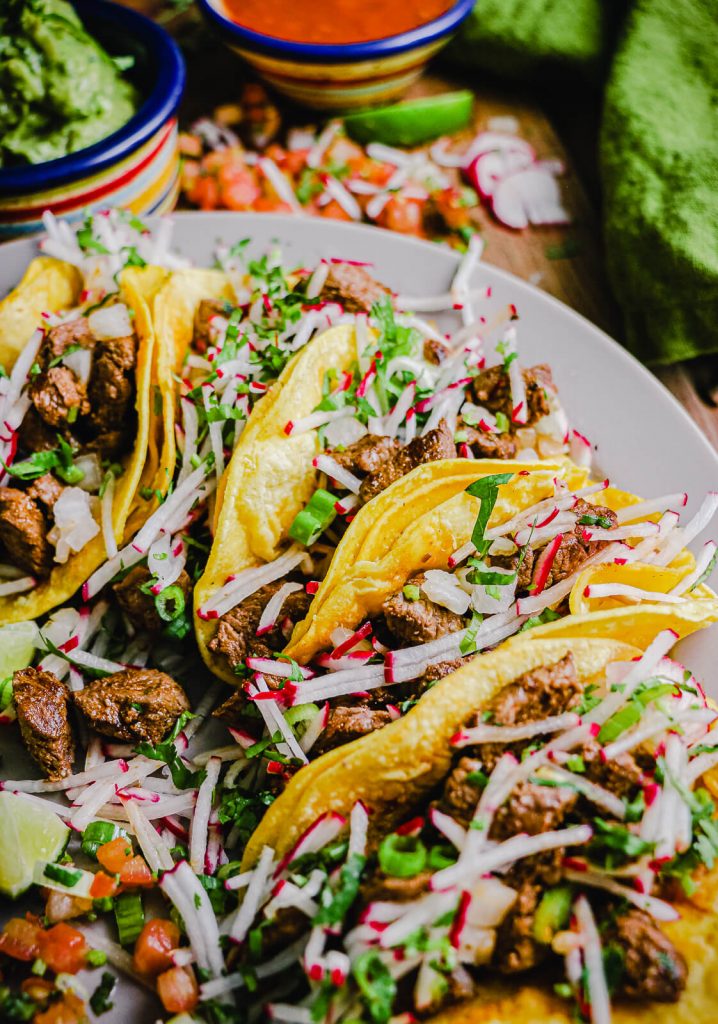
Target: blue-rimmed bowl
x,y
137,166
344,76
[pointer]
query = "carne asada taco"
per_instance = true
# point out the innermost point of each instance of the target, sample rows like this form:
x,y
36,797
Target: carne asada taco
x,y
448,562
532,842
47,285
369,401
76,413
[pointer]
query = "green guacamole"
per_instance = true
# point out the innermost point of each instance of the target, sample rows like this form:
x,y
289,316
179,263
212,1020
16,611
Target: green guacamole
x,y
59,90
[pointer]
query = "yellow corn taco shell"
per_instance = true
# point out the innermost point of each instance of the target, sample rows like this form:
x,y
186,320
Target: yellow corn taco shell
x,y
396,769
138,287
400,764
48,285
428,727
407,537
173,311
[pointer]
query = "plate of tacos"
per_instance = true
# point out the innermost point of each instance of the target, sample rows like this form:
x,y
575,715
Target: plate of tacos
x,y
356,639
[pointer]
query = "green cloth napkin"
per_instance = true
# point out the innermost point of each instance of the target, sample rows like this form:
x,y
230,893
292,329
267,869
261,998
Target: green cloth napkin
x,y
659,147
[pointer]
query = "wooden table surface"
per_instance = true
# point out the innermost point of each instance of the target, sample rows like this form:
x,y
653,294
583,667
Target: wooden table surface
x,y
579,280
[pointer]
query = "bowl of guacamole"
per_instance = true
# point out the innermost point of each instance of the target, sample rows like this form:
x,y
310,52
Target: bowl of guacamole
x,y
88,92
60,90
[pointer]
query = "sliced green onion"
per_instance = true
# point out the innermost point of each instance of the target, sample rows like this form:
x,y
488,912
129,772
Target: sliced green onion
x,y
5,693
65,876
130,917
96,957
402,856
552,913
315,517
171,596
97,834
411,592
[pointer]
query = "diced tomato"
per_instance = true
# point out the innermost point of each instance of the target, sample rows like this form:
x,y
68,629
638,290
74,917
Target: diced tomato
x,y
190,173
63,948
335,211
378,173
205,192
295,161
103,885
136,872
152,949
178,990
403,215
239,190
190,145
268,204
70,1010
114,855
20,939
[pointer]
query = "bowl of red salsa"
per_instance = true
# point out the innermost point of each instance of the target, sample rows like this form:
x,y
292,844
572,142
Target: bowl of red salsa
x,y
340,54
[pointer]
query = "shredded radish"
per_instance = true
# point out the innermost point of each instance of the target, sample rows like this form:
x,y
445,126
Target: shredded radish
x,y
183,888
661,910
247,582
18,586
326,464
598,996
512,733
200,819
252,898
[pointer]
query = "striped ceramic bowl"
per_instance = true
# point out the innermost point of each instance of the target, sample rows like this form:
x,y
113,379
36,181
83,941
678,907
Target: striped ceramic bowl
x,y
341,77
136,167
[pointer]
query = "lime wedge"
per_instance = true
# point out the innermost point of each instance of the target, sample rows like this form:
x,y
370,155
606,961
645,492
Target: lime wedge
x,y
28,833
414,121
17,646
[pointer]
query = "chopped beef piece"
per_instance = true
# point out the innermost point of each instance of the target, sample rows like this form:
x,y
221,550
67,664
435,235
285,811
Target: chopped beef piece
x,y
58,396
111,388
622,775
548,690
486,445
289,925
34,434
575,547
388,887
431,447
350,723
353,287
206,311
108,444
523,581
653,967
438,671
140,607
417,622
137,704
516,948
236,637
233,711
367,454
461,795
41,701
491,389
23,533
544,691
436,351
60,338
45,490
533,809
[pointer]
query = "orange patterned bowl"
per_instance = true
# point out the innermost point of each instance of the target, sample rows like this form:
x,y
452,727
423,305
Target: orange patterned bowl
x,y
343,76
137,166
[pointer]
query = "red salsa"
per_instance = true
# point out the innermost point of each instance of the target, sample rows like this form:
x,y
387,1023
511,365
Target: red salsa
x,y
334,21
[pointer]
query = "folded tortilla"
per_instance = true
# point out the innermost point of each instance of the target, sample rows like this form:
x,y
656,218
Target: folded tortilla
x,y
138,286
47,286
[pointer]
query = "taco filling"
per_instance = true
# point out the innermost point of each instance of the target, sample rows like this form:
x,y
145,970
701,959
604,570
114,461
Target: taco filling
x,y
568,831
510,577
70,420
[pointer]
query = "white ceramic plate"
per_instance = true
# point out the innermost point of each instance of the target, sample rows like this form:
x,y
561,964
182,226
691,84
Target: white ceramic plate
x,y
645,441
